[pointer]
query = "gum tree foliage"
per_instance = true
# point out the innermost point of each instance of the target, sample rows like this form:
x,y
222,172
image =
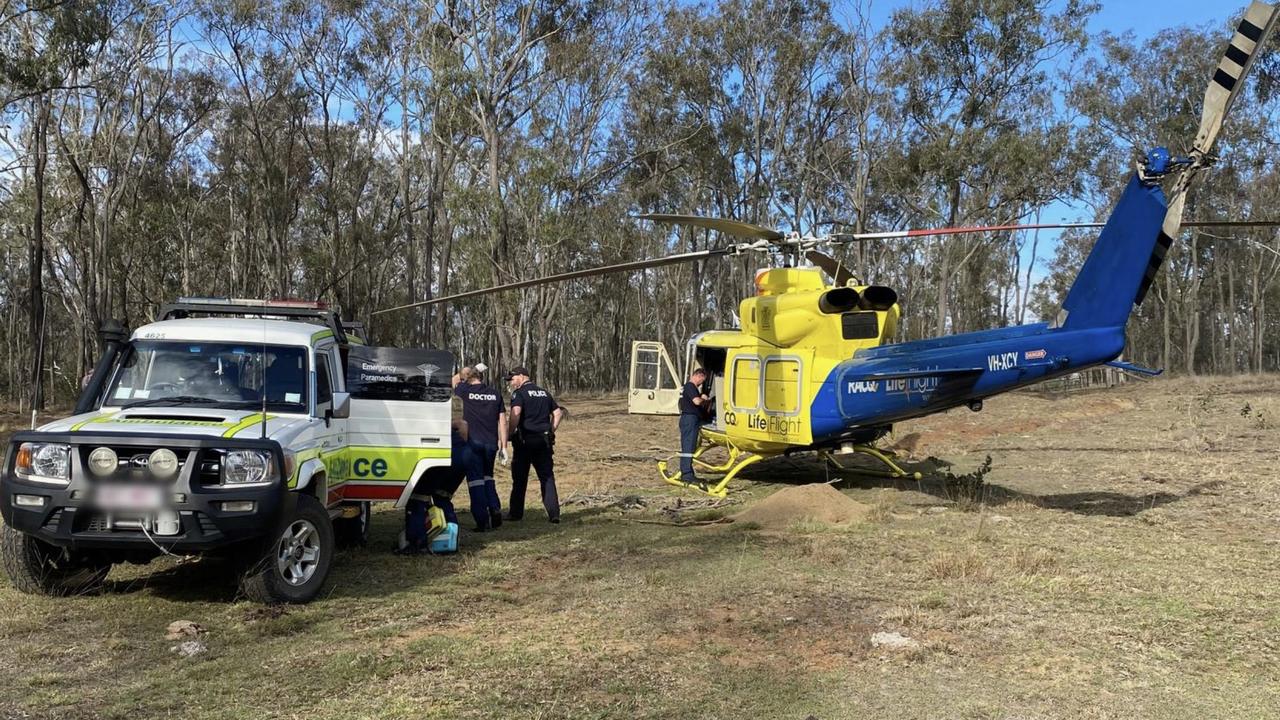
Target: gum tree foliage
x,y
1208,311
377,153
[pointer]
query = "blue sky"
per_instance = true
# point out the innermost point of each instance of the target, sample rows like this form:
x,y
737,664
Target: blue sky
x,y
1145,19
1148,18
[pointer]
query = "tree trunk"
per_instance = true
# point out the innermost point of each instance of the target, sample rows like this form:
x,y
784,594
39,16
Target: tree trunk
x,y
1233,365
503,313
944,269
35,252
1166,348
1192,331
421,328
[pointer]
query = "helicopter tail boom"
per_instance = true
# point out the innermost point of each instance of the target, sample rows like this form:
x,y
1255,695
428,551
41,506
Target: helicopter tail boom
x,y
1124,260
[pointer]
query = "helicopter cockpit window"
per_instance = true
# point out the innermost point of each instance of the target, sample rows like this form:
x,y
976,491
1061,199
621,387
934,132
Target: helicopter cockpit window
x,y
746,383
665,377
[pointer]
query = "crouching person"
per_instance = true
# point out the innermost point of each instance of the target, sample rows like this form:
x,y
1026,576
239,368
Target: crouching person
x,y
430,521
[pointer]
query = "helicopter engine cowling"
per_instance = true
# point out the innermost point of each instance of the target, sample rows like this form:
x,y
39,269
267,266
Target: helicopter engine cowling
x,y
789,318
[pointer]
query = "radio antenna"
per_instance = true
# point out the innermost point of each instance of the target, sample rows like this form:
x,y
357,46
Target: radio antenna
x,y
262,363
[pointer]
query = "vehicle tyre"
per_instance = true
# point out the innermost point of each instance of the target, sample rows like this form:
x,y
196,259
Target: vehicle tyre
x,y
38,568
354,532
295,563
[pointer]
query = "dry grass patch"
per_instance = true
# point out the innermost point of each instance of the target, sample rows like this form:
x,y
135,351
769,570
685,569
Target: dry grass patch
x,y
823,551
882,510
1019,506
967,564
1128,570
1034,561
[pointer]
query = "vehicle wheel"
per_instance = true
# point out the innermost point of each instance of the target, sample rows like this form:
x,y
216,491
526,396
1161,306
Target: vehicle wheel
x,y
39,568
354,532
295,563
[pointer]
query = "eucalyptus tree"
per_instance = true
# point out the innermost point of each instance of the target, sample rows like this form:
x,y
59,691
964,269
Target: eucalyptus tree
x,y
1194,312
262,162
977,97
45,47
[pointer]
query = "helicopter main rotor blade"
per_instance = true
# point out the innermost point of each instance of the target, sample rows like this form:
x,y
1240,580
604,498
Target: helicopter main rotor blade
x,y
837,271
574,275
932,232
1250,37
730,227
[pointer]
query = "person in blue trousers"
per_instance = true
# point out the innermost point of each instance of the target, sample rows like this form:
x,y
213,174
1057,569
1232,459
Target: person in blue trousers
x,y
692,406
486,417
436,488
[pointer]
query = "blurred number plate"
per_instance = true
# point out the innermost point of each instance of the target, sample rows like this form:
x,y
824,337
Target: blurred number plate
x,y
130,497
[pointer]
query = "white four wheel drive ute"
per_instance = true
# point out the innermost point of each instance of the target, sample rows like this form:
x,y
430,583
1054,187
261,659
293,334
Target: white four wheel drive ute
x,y
258,430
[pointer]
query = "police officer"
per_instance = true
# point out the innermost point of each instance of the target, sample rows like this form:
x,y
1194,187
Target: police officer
x,y
535,415
693,403
486,418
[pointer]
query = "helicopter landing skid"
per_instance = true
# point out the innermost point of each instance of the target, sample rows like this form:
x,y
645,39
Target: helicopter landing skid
x,y
738,460
884,456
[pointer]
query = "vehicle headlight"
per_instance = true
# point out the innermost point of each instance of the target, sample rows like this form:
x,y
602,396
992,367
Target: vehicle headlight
x,y
163,463
246,467
50,462
103,461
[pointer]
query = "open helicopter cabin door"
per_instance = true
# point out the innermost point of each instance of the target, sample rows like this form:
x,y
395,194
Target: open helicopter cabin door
x,y
655,387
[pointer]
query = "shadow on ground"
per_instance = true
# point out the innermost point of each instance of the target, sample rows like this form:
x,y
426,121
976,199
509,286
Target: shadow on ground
x,y
371,570
970,488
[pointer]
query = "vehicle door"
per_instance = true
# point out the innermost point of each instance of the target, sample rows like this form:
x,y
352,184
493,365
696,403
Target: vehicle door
x,y
330,432
400,418
654,385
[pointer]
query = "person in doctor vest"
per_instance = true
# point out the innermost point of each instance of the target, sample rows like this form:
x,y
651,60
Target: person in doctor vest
x,y
486,417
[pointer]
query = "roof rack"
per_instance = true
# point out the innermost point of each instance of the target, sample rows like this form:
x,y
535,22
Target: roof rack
x,y
247,307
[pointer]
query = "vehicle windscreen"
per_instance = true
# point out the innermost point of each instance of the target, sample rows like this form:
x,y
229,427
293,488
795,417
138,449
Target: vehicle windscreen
x,y
204,374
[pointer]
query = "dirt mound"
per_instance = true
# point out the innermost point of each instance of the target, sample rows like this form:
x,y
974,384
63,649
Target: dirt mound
x,y
819,502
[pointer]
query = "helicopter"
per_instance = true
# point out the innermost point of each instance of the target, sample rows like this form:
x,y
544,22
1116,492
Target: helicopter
x,y
813,365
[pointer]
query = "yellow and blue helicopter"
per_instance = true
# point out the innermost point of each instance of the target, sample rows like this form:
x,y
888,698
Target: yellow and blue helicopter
x,y
813,365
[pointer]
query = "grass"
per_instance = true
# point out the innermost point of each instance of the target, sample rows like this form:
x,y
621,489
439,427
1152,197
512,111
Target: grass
x,y
1119,562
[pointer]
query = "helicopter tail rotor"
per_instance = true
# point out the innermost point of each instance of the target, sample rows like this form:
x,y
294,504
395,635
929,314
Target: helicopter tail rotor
x,y
1224,89
1131,248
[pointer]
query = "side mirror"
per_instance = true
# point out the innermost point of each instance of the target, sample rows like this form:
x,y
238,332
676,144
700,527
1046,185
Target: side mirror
x,y
341,407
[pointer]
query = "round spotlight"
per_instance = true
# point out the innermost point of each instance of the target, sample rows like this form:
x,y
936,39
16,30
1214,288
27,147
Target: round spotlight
x,y
163,463
103,461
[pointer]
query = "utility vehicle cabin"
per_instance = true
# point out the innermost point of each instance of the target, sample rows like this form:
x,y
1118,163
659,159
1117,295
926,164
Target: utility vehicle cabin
x,y
256,429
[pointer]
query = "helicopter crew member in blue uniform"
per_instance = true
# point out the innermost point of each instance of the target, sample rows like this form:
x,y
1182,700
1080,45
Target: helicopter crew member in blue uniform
x,y
693,404
486,418
535,415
